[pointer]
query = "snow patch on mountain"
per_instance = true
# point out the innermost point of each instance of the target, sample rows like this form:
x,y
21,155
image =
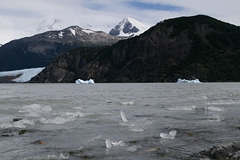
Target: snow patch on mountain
x,y
86,26
60,34
73,32
23,75
129,27
88,31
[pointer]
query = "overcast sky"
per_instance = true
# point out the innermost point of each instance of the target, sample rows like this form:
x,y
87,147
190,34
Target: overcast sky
x,y
17,16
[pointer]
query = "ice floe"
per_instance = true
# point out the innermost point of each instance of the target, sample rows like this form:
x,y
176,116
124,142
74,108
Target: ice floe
x,y
121,145
187,81
170,135
80,81
130,103
110,144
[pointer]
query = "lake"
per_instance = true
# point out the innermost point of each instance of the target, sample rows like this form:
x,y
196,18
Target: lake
x,y
116,120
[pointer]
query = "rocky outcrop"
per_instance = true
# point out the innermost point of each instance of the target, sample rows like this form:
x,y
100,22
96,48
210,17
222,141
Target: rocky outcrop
x,y
226,151
186,47
41,49
229,151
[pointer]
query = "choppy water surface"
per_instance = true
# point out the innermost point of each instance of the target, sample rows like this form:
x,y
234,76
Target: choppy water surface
x,y
116,121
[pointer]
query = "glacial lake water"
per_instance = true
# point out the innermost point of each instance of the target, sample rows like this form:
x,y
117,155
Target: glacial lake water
x,y
121,121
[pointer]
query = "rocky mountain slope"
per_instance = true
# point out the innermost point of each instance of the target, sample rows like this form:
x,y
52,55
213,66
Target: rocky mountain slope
x,y
186,47
39,50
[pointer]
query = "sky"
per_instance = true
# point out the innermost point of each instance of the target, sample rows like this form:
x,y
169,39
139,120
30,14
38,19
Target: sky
x,y
20,18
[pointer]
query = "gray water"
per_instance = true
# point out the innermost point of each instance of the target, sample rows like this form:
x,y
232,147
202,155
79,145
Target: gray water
x,y
70,121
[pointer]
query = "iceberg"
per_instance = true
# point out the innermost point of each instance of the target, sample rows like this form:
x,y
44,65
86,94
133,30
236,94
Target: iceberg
x,y
80,81
187,81
170,135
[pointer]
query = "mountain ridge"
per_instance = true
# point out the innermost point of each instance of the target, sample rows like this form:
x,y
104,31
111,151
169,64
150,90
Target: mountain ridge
x,y
58,24
186,47
39,50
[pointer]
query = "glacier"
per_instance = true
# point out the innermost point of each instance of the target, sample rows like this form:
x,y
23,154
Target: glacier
x,y
25,74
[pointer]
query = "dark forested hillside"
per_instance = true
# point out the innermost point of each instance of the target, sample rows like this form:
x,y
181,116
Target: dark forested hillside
x,y
187,47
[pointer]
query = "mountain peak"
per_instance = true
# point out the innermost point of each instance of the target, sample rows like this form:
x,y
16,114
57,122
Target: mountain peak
x,y
128,27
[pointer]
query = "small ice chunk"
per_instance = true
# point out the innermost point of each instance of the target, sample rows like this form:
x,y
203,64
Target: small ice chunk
x,y
123,116
170,135
110,144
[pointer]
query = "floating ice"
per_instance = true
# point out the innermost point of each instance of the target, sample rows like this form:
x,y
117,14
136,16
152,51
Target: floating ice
x,y
170,135
110,144
123,116
80,81
187,81
128,103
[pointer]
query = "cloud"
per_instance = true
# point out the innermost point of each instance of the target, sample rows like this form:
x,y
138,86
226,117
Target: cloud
x,y
18,16
154,6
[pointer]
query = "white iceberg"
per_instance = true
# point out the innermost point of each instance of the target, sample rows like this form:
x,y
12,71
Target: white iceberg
x,y
188,81
170,135
80,81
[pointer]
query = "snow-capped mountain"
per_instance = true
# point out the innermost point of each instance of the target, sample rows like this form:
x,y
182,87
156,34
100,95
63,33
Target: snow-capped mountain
x,y
58,25
39,50
129,27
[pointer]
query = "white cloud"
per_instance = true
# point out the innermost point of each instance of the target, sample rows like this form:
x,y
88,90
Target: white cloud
x,y
18,15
